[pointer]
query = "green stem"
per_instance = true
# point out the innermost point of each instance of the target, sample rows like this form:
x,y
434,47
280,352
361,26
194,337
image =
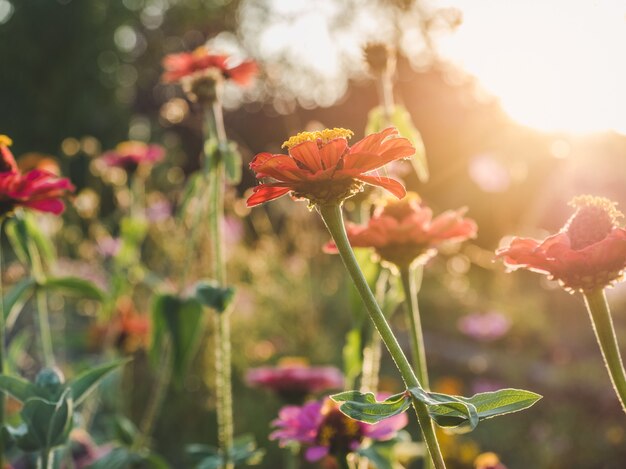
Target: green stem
x,y
418,351
2,352
46,460
43,317
222,337
605,333
331,214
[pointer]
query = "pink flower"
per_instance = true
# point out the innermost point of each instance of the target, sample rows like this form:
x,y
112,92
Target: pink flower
x,y
129,155
37,189
404,231
322,427
589,252
293,382
484,327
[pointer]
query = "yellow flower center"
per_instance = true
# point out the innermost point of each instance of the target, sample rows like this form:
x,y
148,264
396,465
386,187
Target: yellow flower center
x,y
5,141
321,136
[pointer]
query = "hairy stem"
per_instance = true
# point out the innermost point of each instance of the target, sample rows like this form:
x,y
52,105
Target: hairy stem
x,y
415,324
331,214
605,334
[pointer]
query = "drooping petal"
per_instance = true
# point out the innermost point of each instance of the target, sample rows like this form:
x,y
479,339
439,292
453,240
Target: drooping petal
x,y
264,193
389,184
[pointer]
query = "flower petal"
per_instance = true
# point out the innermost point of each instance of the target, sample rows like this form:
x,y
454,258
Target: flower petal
x,y
389,184
265,193
331,153
308,155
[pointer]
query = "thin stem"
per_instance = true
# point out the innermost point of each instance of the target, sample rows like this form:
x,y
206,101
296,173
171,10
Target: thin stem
x,y
2,352
222,337
418,351
372,351
605,333
157,397
331,214
46,460
43,318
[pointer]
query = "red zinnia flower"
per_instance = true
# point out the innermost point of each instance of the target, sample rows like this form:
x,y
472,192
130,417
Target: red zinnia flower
x,y
404,231
37,189
322,168
187,64
589,252
129,155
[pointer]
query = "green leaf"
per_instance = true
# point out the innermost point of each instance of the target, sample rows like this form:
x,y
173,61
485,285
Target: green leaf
x,y
245,450
182,320
117,458
19,388
211,295
232,163
125,430
447,411
401,120
47,424
365,408
75,286
14,301
84,383
466,412
501,402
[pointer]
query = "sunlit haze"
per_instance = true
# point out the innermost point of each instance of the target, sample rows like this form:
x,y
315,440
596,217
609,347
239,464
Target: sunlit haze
x,y
555,65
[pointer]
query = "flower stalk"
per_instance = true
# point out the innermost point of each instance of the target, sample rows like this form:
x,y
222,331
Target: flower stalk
x,y
2,342
605,334
411,289
331,214
222,319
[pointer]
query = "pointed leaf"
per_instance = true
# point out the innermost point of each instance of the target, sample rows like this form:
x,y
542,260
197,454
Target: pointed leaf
x,y
47,424
211,295
84,383
182,320
503,401
14,301
447,411
365,408
19,388
74,286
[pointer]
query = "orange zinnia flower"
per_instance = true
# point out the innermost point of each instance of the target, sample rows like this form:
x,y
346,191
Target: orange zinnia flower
x,y
322,168
404,231
186,64
589,252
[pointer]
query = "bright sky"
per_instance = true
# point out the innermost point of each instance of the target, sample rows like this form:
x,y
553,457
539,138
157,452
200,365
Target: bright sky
x,y
556,65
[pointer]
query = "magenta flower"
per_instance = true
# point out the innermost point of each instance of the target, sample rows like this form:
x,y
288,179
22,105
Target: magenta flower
x,y
129,155
36,189
293,382
322,427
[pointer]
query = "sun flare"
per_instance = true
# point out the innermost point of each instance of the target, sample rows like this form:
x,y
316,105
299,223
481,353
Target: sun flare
x,y
555,65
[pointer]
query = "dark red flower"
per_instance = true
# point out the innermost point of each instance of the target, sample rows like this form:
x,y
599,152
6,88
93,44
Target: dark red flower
x,y
37,189
322,168
187,64
588,253
129,155
294,381
404,231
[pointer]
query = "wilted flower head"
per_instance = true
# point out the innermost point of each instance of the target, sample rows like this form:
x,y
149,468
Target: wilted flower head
x,y
380,58
587,254
201,71
484,326
293,381
326,431
37,189
404,231
129,155
322,168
